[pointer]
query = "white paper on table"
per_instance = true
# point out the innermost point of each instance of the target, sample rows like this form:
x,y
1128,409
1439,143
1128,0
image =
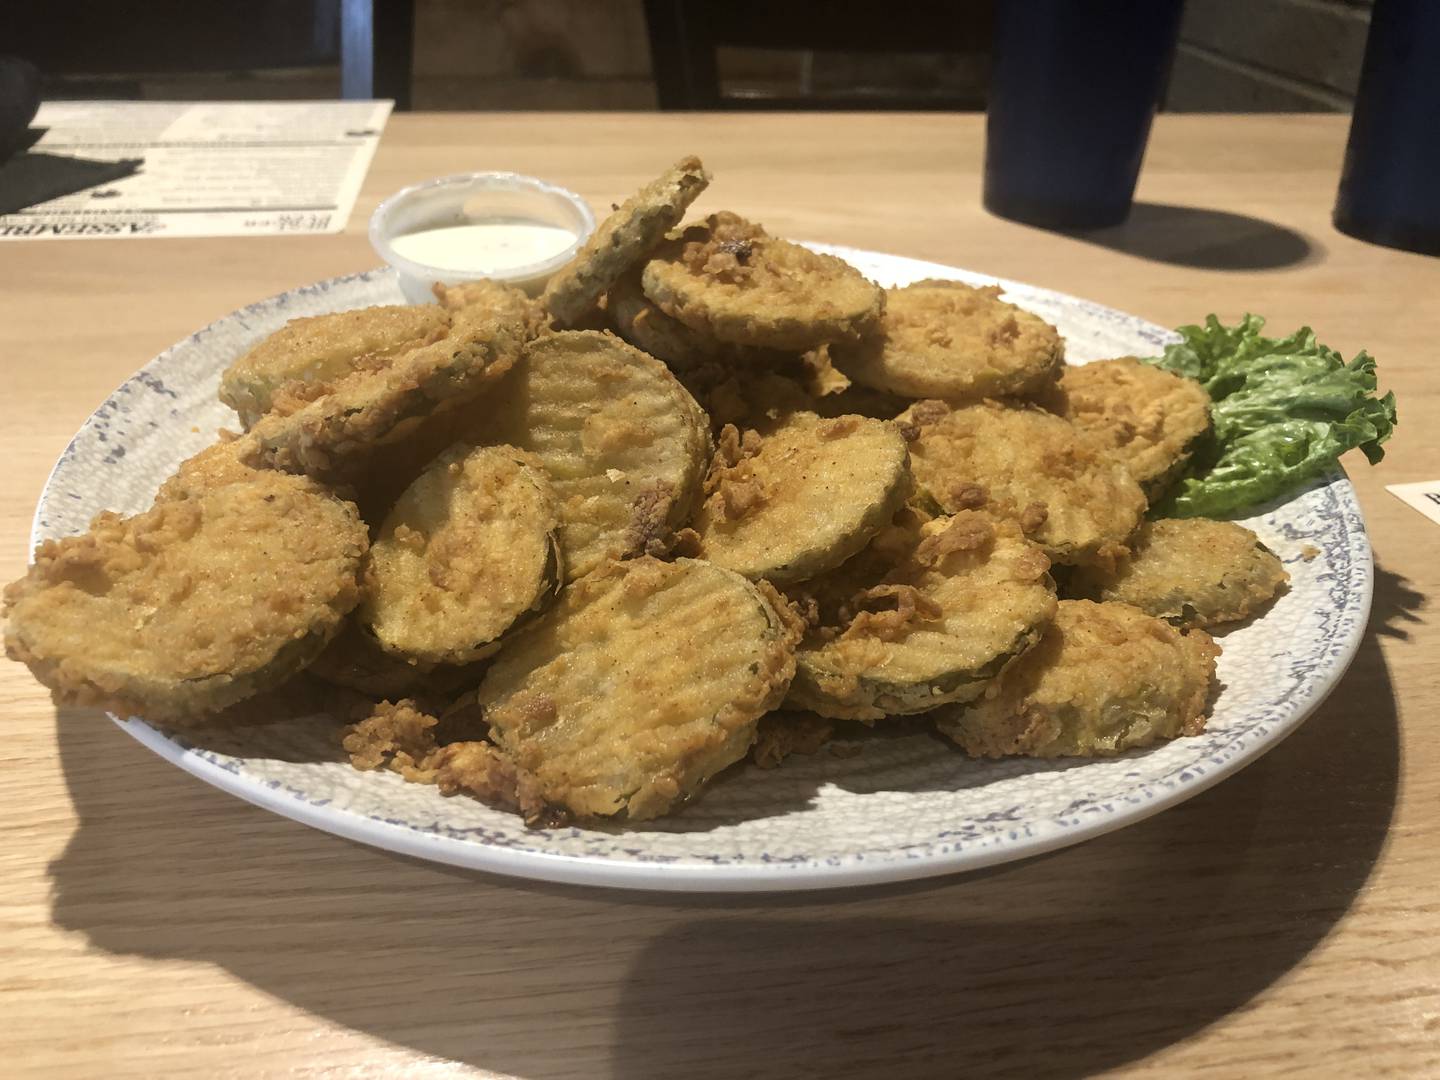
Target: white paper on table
x,y
255,168
1423,496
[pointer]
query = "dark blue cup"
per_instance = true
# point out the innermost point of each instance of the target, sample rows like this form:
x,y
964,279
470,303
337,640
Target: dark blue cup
x,y
1390,185
1073,90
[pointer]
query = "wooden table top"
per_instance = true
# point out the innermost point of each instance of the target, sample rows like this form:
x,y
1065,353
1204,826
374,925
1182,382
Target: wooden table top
x,y
1284,922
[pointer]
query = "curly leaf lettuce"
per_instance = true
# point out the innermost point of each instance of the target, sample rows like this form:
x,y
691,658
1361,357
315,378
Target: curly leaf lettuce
x,y
1284,410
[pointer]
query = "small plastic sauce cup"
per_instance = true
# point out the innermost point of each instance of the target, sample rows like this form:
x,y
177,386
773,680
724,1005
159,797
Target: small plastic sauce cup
x,y
476,199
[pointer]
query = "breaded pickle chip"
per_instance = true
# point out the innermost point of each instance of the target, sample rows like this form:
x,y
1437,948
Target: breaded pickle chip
x,y
649,329
467,550
731,281
1190,572
960,597
1068,492
793,503
193,605
324,348
642,682
335,436
622,240
946,339
1105,678
214,467
641,322
625,445
1151,417
355,661
493,297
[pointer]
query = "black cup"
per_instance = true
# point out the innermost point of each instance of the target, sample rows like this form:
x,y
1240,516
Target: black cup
x,y
1074,87
1390,185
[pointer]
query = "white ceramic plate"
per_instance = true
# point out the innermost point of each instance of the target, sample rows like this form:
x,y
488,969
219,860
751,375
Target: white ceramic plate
x,y
904,807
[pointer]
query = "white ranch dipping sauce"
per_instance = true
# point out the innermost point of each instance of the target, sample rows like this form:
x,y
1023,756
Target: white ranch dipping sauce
x,y
484,247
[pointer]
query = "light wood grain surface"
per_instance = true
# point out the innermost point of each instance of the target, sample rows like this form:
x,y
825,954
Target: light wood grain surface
x,y
1283,923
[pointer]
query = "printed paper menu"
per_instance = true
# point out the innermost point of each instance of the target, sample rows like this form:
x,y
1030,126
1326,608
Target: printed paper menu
x,y
157,169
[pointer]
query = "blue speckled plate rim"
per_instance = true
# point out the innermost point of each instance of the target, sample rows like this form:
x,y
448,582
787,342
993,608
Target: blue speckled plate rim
x,y
761,876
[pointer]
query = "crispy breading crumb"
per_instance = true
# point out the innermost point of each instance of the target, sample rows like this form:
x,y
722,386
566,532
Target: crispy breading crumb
x,y
784,733
888,624
964,533
400,737
650,532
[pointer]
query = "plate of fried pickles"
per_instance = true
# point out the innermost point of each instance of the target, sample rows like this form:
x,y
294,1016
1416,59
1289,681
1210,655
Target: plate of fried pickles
x,y
726,563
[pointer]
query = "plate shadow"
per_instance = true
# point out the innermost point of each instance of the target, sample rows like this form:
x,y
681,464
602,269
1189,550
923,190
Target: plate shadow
x,y
1063,965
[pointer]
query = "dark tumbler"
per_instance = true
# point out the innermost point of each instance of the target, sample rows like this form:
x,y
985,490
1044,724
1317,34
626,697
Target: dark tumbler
x,y
1390,185
1074,87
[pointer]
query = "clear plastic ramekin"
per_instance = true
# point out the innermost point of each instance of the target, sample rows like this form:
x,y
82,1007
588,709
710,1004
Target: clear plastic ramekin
x,y
472,198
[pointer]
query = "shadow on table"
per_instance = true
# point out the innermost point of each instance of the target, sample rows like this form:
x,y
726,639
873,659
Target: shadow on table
x,y
1063,965
1204,239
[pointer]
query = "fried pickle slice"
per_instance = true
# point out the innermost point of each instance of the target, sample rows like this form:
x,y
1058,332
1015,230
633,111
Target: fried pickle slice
x,y
625,445
641,322
492,297
649,329
622,240
324,348
336,436
1189,572
193,605
730,280
1105,678
355,661
1152,418
958,598
642,682
946,339
217,465
467,550
1069,494
802,499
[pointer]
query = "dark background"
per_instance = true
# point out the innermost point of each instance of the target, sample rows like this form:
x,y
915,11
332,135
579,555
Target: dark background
x,y
1250,56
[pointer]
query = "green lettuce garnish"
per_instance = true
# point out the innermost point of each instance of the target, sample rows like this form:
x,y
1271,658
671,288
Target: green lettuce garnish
x,y
1284,410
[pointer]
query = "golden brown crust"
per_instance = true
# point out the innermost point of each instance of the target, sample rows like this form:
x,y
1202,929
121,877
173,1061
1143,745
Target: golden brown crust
x,y
467,550
214,467
355,661
401,737
625,445
729,280
1105,678
749,399
946,339
649,329
622,240
322,349
642,682
927,615
1190,572
193,605
491,297
804,498
1152,418
1068,492
334,437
